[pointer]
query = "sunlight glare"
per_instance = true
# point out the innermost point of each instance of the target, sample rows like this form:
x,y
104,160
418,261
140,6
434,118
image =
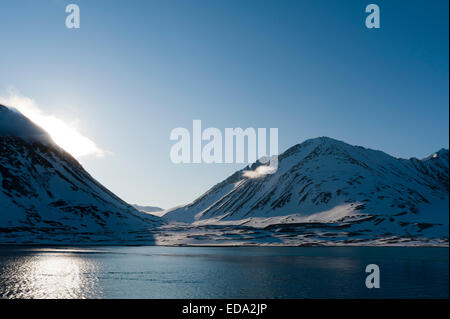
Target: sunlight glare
x,y
63,134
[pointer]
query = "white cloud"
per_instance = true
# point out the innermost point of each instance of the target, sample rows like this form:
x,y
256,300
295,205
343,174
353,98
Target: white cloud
x,y
260,171
65,135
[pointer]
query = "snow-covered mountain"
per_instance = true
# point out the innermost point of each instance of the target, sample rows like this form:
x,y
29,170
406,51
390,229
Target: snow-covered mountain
x,y
154,210
46,196
329,187
325,192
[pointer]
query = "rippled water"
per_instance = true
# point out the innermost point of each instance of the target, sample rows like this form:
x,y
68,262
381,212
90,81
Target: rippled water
x,y
221,272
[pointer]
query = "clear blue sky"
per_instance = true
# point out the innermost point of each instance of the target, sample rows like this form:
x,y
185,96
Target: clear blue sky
x,y
137,69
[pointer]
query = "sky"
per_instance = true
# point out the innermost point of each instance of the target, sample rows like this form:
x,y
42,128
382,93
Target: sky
x,y
135,70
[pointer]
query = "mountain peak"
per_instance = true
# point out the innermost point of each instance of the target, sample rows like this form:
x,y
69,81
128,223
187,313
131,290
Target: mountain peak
x,y
322,145
327,180
321,140
441,154
46,195
15,124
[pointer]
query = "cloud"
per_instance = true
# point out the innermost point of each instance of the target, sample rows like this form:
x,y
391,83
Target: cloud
x,y
260,171
65,135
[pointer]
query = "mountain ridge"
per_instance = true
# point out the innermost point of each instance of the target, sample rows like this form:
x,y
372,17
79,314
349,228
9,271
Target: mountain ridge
x,y
325,180
325,192
46,196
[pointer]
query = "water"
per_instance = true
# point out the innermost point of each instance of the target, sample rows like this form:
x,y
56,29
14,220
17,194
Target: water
x,y
222,272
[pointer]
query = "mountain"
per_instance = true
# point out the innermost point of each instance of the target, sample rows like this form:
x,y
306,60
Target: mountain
x,y
46,196
149,209
325,186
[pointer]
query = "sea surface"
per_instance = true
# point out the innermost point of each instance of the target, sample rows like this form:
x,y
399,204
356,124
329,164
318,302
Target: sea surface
x,y
222,272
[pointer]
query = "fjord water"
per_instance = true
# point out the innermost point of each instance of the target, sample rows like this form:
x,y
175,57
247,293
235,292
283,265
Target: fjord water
x,y
221,272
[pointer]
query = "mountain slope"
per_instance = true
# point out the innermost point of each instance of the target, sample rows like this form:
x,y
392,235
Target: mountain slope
x,y
153,210
324,181
47,196
148,209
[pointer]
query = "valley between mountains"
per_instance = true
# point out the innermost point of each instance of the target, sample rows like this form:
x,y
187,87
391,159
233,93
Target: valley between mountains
x,y
325,192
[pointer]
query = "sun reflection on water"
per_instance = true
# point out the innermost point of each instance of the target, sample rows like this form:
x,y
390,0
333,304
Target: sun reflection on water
x,y
49,275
